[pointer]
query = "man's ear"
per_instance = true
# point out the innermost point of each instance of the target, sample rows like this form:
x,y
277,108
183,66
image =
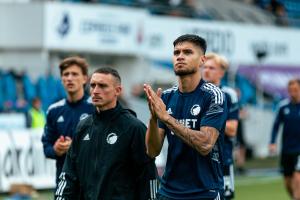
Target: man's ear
x,y
85,78
203,58
119,90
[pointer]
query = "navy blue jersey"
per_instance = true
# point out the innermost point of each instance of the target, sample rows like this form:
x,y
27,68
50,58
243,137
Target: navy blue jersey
x,y
62,119
233,114
188,174
289,115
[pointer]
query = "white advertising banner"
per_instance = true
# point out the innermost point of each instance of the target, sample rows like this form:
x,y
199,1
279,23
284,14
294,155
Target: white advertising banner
x,y
91,28
240,43
22,160
9,121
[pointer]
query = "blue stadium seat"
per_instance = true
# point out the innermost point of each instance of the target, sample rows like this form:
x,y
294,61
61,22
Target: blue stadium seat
x,y
9,91
29,88
46,84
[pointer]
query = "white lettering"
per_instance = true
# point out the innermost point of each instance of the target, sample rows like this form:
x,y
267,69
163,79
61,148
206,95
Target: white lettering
x,y
189,123
194,122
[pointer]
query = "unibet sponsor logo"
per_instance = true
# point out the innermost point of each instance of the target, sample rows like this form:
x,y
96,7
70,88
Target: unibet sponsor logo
x,y
189,123
286,111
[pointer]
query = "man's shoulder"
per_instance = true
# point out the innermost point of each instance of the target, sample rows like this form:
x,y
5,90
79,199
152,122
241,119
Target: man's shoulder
x,y
87,121
170,90
131,118
210,88
284,103
57,105
230,93
213,92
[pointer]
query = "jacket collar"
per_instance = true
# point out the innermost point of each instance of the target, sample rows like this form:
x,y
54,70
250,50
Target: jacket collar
x,y
110,113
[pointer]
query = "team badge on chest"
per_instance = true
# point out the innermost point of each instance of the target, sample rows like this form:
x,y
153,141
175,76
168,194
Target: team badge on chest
x,y
195,110
112,138
286,111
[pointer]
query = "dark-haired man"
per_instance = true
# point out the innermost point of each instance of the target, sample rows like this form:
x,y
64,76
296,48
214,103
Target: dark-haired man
x,y
64,115
288,115
192,116
107,159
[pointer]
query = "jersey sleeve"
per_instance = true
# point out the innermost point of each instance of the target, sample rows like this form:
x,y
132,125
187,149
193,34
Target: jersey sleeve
x,y
216,112
68,184
276,125
49,136
147,183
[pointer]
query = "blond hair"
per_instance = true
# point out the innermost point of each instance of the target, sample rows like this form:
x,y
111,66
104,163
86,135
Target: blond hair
x,y
220,60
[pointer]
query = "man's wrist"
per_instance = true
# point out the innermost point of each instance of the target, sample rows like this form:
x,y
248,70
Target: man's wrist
x,y
166,118
153,118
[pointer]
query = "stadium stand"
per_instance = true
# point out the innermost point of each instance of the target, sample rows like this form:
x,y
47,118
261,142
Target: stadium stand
x,y
48,83
249,11
205,9
17,90
233,11
291,9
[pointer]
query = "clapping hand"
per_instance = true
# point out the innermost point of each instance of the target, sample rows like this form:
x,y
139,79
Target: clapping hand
x,y
62,145
155,103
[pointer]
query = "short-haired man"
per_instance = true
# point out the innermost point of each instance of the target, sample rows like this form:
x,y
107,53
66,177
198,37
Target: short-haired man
x,y
213,71
107,159
288,115
192,115
64,115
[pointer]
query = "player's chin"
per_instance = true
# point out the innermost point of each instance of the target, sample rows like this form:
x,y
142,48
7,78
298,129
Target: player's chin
x,y
182,72
97,103
71,90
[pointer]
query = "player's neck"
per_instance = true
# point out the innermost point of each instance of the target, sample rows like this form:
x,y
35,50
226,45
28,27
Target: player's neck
x,y
296,100
189,83
217,83
76,96
108,106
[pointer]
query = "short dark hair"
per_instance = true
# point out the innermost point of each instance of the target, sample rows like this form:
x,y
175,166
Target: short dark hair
x,y
109,70
195,39
74,60
295,80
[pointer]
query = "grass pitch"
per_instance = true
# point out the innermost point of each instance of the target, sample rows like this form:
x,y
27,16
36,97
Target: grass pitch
x,y
260,188
247,188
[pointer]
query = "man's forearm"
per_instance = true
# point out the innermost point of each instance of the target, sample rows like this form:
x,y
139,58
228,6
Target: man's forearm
x,y
153,139
201,140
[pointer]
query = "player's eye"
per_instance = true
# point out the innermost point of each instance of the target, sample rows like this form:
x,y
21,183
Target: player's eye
x,y
66,74
74,74
176,52
188,52
93,85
